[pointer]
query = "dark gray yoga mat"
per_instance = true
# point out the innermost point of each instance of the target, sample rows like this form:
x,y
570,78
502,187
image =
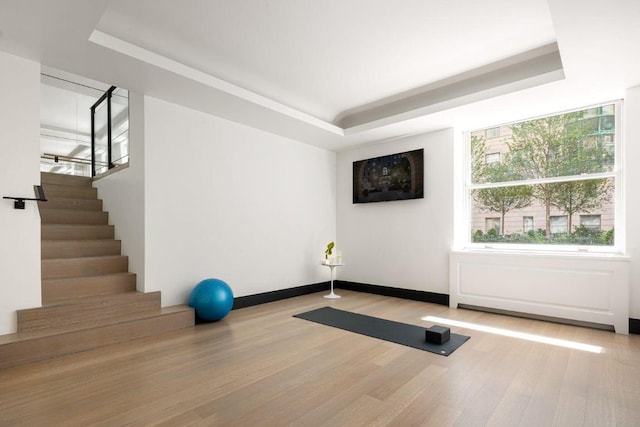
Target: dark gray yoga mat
x,y
388,330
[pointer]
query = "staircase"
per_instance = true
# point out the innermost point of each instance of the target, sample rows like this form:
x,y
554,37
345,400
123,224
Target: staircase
x,y
89,298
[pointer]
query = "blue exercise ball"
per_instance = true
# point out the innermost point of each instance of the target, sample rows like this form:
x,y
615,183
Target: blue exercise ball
x,y
212,299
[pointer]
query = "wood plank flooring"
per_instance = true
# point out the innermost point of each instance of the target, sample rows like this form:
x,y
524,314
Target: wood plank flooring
x,y
261,367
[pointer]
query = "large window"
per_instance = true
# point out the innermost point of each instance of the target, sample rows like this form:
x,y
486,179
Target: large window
x,y
557,172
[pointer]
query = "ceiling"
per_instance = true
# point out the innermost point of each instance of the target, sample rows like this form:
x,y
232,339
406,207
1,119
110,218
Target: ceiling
x,y
340,73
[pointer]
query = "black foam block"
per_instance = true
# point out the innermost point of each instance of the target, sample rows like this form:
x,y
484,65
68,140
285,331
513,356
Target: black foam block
x,y
437,334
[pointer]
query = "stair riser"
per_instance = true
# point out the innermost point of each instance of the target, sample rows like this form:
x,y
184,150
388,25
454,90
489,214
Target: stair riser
x,y
76,232
59,290
68,192
56,249
65,216
76,267
69,180
33,350
76,204
105,307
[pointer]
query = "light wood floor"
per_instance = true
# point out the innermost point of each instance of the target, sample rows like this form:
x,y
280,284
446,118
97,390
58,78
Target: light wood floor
x,y
261,367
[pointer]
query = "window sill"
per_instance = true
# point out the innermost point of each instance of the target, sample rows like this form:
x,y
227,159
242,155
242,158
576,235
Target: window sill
x,y
547,253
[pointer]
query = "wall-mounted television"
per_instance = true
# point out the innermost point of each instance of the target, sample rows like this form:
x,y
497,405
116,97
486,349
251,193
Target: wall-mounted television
x,y
393,177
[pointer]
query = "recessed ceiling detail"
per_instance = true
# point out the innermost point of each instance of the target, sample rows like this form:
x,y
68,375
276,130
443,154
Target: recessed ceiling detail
x,y
168,64
522,71
527,70
337,74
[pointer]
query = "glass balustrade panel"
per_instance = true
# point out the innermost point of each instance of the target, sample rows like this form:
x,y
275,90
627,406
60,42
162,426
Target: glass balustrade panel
x,y
101,138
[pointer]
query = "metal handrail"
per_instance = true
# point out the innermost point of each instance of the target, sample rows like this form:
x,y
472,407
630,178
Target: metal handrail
x,y
58,157
19,201
105,97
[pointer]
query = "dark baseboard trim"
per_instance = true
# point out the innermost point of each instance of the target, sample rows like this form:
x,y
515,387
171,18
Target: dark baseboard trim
x,y
432,297
263,298
424,296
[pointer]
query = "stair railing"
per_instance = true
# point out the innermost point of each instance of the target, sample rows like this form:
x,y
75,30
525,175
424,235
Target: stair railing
x,y
106,97
19,201
110,137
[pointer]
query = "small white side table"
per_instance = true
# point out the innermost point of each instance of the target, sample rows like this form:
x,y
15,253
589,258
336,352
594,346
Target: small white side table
x,y
332,266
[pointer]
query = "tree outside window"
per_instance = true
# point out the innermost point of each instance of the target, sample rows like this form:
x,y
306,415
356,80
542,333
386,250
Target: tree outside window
x,y
554,170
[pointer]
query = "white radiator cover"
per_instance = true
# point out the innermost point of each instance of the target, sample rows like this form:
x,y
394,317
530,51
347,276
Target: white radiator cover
x,y
584,288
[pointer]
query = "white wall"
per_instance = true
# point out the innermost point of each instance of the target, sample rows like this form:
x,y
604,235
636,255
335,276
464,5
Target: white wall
x,y
227,201
632,196
20,171
403,244
123,194
205,197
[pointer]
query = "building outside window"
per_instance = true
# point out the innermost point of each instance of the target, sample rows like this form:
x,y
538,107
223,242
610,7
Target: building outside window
x,y
558,172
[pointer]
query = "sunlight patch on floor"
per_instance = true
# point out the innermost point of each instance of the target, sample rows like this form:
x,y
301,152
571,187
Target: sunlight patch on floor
x,y
514,334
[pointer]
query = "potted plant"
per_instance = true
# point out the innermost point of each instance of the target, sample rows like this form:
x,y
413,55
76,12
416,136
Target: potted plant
x,y
328,252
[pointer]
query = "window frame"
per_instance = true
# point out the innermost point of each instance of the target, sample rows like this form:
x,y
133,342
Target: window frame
x,y
524,223
599,216
564,220
493,130
496,220
465,241
492,155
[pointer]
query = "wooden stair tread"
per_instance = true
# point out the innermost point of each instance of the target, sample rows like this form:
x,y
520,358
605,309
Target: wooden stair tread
x,y
27,347
104,284
62,179
95,299
89,298
58,249
53,191
55,242
83,266
76,310
76,231
92,324
77,204
73,216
